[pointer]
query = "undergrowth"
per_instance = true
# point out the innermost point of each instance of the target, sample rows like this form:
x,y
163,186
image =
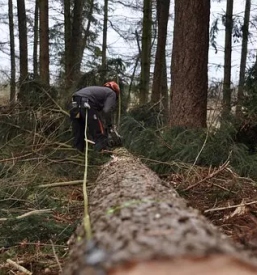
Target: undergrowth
x,y
175,149
36,150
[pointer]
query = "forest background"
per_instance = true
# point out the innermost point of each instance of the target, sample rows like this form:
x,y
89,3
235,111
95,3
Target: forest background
x,y
120,47
188,81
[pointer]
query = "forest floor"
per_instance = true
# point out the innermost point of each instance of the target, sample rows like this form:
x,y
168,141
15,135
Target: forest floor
x,y
227,200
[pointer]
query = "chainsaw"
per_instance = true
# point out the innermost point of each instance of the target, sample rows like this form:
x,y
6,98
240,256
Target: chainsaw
x,y
114,139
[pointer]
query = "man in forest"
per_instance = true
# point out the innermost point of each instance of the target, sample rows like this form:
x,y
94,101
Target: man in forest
x,y
97,100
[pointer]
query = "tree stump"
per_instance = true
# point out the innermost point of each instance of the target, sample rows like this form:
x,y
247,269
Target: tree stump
x,y
141,226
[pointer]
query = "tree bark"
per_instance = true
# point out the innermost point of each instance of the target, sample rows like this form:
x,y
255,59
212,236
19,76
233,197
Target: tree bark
x,y
159,88
86,36
190,64
75,44
35,43
44,42
164,90
227,59
23,41
12,54
104,46
146,52
240,94
67,39
141,226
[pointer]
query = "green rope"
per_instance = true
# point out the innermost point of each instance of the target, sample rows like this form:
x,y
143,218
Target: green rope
x,y
87,224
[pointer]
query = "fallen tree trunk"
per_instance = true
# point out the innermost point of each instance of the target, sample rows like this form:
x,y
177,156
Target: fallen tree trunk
x,y
141,226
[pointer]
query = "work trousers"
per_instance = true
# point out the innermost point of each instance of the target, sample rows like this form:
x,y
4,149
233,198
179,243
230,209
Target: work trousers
x,y
95,129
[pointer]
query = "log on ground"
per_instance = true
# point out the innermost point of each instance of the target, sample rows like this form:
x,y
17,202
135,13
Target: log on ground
x,y
141,226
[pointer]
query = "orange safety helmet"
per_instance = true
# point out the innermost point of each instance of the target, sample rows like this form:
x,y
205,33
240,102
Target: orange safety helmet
x,y
114,86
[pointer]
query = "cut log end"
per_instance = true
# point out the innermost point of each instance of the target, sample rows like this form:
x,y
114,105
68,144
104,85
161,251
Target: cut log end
x,y
213,265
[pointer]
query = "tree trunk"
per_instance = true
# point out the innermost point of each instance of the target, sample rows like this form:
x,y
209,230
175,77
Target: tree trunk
x,y
86,36
146,52
240,94
104,46
75,43
35,44
227,59
160,57
141,226
134,69
23,41
67,39
190,63
44,42
12,54
164,90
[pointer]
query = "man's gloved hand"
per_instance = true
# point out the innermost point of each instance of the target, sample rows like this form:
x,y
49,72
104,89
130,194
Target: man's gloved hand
x,y
114,139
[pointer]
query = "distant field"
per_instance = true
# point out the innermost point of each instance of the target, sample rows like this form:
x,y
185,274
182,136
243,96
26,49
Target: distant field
x,y
4,95
213,112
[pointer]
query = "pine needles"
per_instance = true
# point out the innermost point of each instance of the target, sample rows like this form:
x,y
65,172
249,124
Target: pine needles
x,y
36,150
176,149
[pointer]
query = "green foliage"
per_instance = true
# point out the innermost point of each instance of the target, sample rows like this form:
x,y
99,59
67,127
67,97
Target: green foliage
x,y
20,194
148,116
250,98
33,229
174,149
34,93
36,149
114,72
213,34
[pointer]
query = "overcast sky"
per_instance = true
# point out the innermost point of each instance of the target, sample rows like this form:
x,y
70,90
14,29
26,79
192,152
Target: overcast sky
x,y
215,59
218,58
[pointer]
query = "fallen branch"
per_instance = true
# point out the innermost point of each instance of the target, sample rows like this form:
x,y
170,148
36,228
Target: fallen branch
x,y
56,257
33,212
57,184
211,175
229,207
223,188
18,267
55,102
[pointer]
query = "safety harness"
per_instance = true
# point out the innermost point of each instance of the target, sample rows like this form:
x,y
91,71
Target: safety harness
x,y
114,139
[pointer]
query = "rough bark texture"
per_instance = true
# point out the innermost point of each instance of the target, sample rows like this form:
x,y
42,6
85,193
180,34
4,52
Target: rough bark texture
x,y
35,43
146,52
44,42
75,43
244,52
189,63
160,87
12,53
141,226
67,38
227,58
104,46
86,31
23,46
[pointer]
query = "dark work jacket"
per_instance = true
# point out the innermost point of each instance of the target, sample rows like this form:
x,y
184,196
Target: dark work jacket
x,y
102,99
